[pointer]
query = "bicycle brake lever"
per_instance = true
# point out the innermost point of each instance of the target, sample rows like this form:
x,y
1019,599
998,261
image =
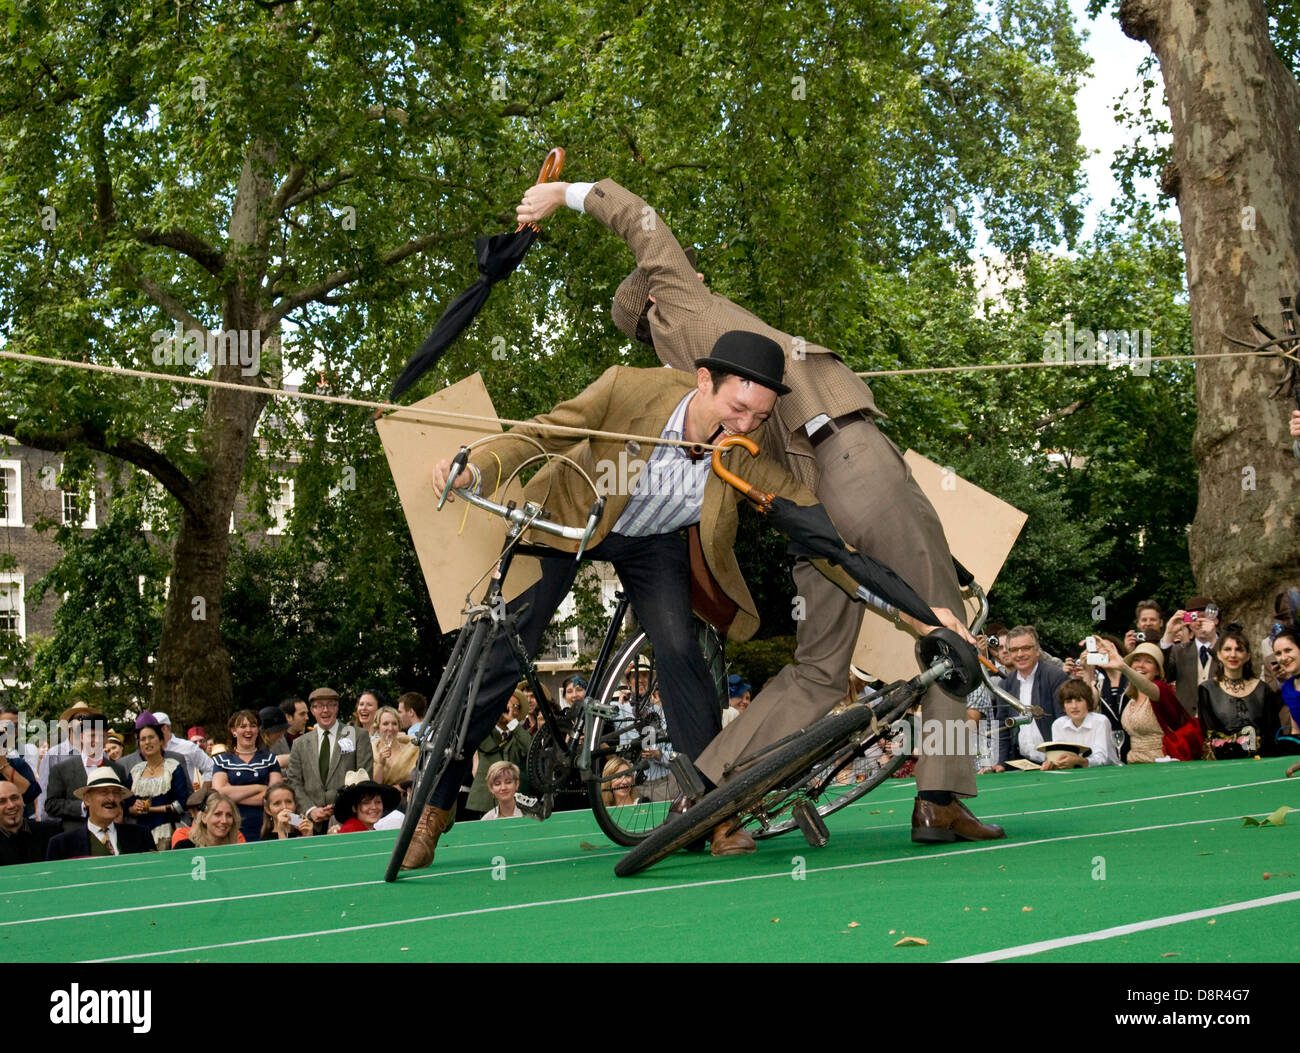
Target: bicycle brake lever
x,y
597,510
457,466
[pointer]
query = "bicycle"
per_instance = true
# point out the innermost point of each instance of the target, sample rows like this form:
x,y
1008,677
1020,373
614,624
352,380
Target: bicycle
x,y
583,739
790,784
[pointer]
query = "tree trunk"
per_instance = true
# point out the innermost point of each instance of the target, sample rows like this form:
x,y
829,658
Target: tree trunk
x,y
1235,112
192,680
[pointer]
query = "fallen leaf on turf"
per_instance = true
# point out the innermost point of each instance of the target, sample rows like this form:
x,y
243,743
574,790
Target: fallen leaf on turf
x,y
586,846
965,908
853,925
892,931
912,941
875,812
983,908
1267,875
1171,954
1026,909
775,920
1211,921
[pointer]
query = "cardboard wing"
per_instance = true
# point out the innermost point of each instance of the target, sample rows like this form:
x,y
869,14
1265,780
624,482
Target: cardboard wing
x,y
980,529
458,545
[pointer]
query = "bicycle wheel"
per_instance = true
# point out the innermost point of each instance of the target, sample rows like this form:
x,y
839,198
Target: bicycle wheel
x,y
784,771
635,744
822,788
444,716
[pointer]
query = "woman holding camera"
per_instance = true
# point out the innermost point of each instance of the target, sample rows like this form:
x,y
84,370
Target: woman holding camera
x,y
1157,724
281,811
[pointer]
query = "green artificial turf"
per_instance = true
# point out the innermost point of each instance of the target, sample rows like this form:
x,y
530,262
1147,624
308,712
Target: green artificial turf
x,y
1086,851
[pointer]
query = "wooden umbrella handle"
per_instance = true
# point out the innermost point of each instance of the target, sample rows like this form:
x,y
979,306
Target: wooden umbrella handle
x,y
763,500
551,167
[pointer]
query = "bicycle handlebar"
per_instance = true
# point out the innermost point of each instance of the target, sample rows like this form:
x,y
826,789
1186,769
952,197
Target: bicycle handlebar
x,y
529,516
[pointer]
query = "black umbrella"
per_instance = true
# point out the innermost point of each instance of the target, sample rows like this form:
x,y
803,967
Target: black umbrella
x,y
812,533
498,256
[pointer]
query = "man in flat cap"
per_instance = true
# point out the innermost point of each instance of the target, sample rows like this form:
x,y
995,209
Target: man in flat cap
x,y
823,433
320,760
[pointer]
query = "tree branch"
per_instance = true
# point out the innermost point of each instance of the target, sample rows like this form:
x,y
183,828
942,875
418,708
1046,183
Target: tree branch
x,y
132,450
297,173
166,301
524,109
293,301
1060,414
317,189
210,259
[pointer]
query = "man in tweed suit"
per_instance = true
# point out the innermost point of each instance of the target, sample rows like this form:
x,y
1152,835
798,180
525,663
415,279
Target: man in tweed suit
x,y
641,533
320,760
825,435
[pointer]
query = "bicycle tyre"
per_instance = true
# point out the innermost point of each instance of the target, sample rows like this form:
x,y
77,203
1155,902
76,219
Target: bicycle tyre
x,y
830,806
628,825
434,758
734,797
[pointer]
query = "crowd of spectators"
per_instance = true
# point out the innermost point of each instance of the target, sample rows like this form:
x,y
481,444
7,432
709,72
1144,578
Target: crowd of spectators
x,y
1192,687
1185,688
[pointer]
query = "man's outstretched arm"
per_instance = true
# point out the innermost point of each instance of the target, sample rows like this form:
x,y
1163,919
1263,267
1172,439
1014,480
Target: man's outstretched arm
x,y
674,283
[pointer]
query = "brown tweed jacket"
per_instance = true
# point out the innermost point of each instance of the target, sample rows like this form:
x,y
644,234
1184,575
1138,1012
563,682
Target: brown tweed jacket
x,y
687,319
639,402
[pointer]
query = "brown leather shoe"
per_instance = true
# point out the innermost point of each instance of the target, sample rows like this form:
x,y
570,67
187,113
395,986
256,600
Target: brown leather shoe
x,y
736,843
935,823
419,853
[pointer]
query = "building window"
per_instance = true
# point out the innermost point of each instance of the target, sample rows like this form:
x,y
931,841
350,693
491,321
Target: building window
x,y
280,508
11,493
78,510
12,618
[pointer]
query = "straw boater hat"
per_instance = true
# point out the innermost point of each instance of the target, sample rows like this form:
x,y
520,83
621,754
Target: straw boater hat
x,y
359,784
1151,651
75,710
99,778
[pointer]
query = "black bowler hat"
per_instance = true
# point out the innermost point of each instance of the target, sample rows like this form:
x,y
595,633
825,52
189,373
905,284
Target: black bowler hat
x,y
749,355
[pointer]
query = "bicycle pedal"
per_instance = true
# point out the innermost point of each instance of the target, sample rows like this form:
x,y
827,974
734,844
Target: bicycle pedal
x,y
811,824
688,777
534,807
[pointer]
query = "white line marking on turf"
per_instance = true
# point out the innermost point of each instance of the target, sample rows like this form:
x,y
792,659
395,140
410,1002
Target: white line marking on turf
x,y
784,873
1125,930
292,891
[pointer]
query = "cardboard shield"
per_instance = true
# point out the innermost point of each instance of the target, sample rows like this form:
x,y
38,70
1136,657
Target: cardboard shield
x,y
980,529
459,545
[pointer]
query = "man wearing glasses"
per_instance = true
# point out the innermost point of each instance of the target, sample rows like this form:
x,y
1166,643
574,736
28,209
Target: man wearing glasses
x,y
321,759
1035,683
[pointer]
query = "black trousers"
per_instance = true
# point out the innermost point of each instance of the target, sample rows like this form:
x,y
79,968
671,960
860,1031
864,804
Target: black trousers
x,y
655,574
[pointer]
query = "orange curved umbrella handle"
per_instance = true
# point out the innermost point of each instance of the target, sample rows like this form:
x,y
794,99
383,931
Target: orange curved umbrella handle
x,y
551,167
764,501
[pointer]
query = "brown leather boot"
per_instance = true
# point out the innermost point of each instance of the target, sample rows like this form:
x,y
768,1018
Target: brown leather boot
x,y
940,823
419,854
736,843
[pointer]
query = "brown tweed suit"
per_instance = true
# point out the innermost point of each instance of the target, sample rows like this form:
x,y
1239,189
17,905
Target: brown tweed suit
x,y
858,474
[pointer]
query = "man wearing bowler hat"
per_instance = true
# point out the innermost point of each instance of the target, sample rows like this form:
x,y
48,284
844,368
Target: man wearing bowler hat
x,y
732,391
103,833
320,760
823,433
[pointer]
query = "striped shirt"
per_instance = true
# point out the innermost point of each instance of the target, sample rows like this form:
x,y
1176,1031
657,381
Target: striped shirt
x,y
669,492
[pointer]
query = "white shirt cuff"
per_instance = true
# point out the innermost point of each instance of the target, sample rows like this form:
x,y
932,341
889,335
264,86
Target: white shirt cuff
x,y
576,194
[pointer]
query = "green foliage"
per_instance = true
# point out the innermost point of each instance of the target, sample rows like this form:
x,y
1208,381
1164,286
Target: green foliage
x,y
111,580
830,164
